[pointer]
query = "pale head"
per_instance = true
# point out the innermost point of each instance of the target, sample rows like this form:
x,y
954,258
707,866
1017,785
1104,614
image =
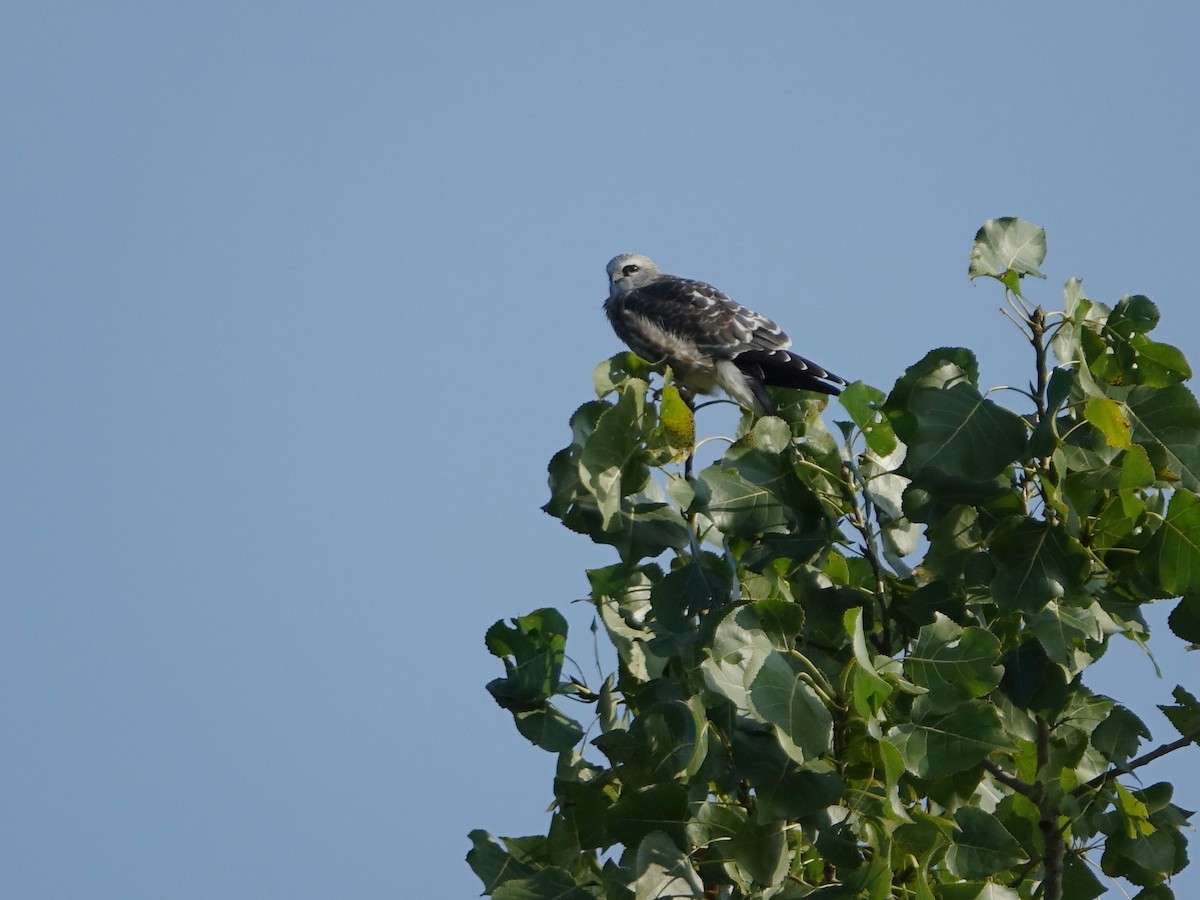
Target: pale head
x,y
628,272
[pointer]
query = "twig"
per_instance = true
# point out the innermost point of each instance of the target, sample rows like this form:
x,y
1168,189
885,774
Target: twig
x,y
1008,315
1142,760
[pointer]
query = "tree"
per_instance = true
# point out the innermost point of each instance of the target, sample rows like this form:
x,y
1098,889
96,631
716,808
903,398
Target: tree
x,y
852,663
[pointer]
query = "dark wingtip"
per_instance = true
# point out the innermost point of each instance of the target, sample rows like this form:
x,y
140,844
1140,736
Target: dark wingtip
x,y
822,387
782,368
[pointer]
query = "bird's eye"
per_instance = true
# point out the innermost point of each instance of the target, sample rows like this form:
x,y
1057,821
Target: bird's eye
x,y
630,269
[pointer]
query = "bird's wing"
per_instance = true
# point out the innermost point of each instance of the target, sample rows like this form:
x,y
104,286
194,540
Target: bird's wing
x,y
704,317
783,368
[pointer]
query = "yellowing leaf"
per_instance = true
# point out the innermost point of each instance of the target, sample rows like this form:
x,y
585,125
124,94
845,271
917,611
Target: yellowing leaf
x,y
1106,415
677,419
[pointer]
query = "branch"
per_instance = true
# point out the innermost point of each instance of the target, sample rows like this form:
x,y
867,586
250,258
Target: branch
x,y
1021,787
1054,848
1146,758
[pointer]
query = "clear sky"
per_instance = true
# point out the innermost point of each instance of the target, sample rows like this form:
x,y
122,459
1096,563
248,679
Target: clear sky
x,y
298,299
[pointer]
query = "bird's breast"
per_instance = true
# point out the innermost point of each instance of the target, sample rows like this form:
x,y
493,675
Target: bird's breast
x,y
654,341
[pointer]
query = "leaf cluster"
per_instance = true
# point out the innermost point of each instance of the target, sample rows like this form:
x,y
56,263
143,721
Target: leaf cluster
x,y
852,663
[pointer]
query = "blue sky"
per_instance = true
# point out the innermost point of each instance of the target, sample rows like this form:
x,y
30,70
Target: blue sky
x,y
298,300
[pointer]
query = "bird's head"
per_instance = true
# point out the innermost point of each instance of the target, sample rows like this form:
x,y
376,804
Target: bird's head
x,y
628,272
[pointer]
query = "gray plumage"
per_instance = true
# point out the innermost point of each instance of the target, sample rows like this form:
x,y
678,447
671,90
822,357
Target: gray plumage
x,y
709,340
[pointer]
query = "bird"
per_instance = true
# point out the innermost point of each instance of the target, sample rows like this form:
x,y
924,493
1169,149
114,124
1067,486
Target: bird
x,y
710,341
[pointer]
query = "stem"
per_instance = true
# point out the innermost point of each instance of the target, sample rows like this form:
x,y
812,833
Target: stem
x,y
816,675
853,481
1009,387
1016,302
1037,337
1008,315
1037,327
829,702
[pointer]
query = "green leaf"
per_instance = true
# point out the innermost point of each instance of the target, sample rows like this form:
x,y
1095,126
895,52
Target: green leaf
x,y
936,370
1136,471
760,849
615,371
1064,630
548,728
687,591
644,530
1166,422
939,743
621,594
549,884
641,525
714,821
1008,245
981,845
584,807
1185,714
924,835
1158,364
1122,354
977,890
869,689
1144,858
865,406
1036,562
783,789
1019,815
1172,557
492,863
1031,680
739,648
782,696
668,740
611,464
1080,314
954,434
780,619
1154,892
954,541
953,663
1134,316
533,649
1079,882
754,489
662,871
565,486
741,508
1118,736
657,808
1184,620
